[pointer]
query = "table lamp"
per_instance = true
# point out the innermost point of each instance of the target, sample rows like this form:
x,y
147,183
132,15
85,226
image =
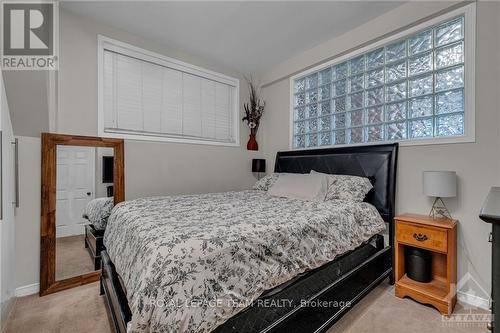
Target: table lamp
x,y
440,184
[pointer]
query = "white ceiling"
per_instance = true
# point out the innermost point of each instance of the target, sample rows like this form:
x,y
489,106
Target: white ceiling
x,y
247,36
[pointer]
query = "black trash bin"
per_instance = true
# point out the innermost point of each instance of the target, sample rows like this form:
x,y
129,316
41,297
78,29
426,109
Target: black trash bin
x,y
418,264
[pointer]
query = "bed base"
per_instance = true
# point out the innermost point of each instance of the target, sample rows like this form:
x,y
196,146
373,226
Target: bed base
x,y
350,288
116,299
94,244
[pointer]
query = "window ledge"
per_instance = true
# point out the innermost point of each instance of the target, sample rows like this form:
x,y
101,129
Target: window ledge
x,y
403,143
159,138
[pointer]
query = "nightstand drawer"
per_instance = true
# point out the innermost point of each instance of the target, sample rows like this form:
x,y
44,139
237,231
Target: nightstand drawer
x,y
425,237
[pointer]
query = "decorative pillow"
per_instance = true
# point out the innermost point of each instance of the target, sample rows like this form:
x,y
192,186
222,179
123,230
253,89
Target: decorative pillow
x,y
266,182
300,186
346,187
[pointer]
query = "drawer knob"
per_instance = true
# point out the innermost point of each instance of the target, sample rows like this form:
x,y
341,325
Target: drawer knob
x,y
420,237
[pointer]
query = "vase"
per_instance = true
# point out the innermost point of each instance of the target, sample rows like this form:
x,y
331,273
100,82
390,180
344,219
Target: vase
x,y
252,143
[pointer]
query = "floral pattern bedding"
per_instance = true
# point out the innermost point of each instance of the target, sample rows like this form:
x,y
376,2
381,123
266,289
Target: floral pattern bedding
x,y
191,262
97,211
265,183
344,187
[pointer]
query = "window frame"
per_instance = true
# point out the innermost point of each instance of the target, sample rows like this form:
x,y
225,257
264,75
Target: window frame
x,y
107,43
469,13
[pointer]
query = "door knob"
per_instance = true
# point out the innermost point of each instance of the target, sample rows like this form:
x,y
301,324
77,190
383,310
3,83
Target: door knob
x,y
89,193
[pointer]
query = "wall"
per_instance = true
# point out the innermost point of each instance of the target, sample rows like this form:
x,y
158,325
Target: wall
x,y
7,224
477,164
28,216
151,168
31,114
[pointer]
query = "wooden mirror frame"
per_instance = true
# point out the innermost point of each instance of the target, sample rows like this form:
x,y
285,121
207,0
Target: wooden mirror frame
x,y
50,141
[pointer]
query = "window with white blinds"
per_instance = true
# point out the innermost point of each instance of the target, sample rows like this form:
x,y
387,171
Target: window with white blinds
x,y
151,97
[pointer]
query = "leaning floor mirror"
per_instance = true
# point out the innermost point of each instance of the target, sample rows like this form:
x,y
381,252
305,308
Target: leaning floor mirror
x,y
82,180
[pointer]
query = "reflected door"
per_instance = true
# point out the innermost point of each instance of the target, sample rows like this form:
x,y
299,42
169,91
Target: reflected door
x,y
75,188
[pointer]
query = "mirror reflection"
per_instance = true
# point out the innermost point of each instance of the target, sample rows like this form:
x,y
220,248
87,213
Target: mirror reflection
x,y
84,199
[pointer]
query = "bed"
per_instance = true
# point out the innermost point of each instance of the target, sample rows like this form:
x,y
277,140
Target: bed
x,y
96,212
271,264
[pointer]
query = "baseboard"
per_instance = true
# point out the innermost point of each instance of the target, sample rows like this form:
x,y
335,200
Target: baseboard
x,y
30,289
473,300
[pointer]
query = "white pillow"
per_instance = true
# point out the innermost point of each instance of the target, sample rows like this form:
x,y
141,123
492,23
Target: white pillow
x,y
300,186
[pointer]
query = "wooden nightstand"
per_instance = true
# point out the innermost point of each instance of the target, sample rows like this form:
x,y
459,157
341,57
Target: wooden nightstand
x,y
440,237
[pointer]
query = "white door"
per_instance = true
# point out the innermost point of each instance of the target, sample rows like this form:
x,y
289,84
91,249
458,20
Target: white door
x,y
75,188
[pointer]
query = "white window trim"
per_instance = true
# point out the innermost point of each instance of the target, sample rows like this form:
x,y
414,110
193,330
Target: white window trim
x,y
106,43
469,13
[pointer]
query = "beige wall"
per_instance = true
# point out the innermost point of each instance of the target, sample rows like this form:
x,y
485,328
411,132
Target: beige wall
x,y
7,220
30,115
28,213
151,168
477,164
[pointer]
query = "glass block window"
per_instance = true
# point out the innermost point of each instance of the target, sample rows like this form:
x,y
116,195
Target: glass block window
x,y
408,89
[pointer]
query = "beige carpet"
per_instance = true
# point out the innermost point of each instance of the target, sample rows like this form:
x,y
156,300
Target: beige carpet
x,y
76,310
82,310
72,258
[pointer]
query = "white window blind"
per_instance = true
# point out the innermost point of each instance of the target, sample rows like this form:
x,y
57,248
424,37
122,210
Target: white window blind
x,y
150,98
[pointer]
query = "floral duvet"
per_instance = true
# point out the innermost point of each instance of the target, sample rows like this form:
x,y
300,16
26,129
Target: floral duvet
x,y
189,263
97,211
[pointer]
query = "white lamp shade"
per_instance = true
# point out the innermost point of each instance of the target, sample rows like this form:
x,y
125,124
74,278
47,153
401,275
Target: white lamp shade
x,y
441,184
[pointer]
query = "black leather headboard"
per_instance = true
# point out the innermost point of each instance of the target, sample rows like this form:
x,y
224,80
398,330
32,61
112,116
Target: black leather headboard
x,y
377,162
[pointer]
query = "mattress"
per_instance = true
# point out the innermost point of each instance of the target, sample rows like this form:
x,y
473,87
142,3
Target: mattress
x,y
190,263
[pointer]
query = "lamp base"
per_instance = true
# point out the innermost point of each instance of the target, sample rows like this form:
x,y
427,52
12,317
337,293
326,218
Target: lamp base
x,y
439,209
